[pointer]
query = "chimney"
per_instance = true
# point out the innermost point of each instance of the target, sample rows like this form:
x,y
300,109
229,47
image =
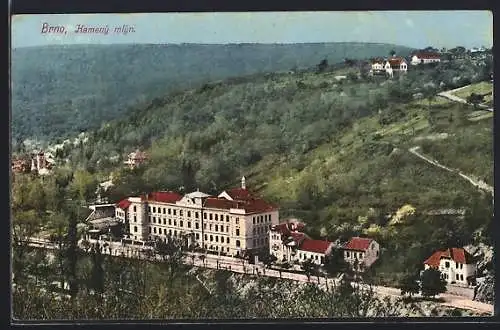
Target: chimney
x,y
243,185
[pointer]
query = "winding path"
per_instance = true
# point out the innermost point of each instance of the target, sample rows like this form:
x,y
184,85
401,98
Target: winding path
x,y
477,183
449,95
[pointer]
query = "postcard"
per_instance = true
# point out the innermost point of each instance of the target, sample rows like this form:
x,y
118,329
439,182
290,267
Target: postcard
x,y
252,165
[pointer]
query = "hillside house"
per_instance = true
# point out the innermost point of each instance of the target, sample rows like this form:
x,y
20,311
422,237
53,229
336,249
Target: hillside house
x,y
455,264
395,65
361,253
425,58
314,250
284,239
136,158
377,66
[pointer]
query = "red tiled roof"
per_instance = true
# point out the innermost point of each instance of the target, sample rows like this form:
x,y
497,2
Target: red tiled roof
x,y
456,254
427,55
239,193
251,205
358,244
396,61
163,197
316,246
124,204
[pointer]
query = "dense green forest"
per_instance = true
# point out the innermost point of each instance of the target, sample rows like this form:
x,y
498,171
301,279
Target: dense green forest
x,y
62,90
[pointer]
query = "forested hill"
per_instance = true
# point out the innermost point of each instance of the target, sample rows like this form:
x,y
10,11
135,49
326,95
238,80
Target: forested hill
x,y
60,90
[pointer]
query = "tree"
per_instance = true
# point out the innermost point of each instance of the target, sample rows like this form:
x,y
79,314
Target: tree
x,y
392,53
308,268
432,283
409,285
335,263
475,99
322,66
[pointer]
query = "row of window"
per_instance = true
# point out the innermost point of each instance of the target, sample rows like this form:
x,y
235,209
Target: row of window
x,y
169,211
216,238
259,241
259,230
359,255
303,256
218,228
261,219
457,265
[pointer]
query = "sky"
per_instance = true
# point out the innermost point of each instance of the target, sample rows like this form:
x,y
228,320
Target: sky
x,y
416,29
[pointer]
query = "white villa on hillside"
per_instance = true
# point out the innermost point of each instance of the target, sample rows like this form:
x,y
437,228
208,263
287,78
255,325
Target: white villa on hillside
x,y
425,58
395,64
455,264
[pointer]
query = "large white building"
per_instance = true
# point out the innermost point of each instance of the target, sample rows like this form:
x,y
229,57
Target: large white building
x,y
231,223
455,264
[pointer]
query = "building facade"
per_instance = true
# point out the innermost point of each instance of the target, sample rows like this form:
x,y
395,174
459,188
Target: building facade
x,y
361,253
231,223
395,64
455,264
425,58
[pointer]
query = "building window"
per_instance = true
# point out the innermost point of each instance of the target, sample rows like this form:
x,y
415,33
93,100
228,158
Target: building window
x,y
237,232
197,236
206,237
216,228
227,249
204,216
175,222
204,226
189,224
211,238
237,220
164,221
154,209
149,208
447,264
170,231
227,240
189,214
135,208
461,277
237,243
169,222
322,259
210,217
196,215
197,225
210,226
135,229
227,218
154,219
461,266
164,210
253,220
216,217
169,211
347,254
135,218
180,213
227,229
217,238
456,266
360,255
154,230
164,231
175,233
181,223
150,230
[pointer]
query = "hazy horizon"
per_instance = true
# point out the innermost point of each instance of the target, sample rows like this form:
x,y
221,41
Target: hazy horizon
x,y
414,29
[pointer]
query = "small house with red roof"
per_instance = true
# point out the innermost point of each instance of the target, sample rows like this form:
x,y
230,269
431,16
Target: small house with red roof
x,y
395,64
284,240
425,58
362,252
377,66
456,265
314,250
